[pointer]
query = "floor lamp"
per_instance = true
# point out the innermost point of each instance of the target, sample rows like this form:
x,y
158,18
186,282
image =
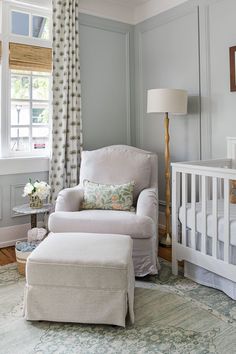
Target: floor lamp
x,y
167,101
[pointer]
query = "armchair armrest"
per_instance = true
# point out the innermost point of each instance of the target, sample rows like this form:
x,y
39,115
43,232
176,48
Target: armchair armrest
x,y
147,204
70,199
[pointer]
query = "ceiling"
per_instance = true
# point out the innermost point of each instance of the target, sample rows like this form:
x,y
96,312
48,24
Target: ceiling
x,y
129,11
132,3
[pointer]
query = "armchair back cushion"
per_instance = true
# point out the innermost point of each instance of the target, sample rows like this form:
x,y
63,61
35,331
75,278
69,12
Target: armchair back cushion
x,y
118,164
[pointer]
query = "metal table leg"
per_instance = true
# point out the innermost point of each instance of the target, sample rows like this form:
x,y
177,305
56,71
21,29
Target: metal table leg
x,y
33,218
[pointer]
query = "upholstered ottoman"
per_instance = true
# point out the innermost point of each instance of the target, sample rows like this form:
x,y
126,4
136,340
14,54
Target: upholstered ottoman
x,y
80,277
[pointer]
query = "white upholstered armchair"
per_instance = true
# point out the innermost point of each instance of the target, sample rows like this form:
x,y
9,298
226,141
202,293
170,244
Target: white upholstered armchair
x,y
116,164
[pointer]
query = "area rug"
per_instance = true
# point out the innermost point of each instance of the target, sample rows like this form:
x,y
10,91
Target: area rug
x,y
173,315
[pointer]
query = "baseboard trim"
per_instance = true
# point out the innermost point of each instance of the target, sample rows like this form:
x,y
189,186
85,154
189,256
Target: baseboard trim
x,y
10,234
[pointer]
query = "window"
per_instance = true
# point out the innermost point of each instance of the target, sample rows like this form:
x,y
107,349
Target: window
x,y
30,107
40,27
26,80
30,25
20,23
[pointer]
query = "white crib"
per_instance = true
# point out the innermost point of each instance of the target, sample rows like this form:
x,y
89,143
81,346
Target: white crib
x,y
204,222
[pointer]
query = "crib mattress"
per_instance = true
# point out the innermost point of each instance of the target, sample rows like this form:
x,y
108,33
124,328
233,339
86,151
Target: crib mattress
x,y
199,220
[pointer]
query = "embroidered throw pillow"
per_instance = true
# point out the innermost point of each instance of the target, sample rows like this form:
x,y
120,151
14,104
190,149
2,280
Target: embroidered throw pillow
x,y
108,196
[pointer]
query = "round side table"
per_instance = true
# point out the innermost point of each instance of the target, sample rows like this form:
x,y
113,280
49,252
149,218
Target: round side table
x,y
25,209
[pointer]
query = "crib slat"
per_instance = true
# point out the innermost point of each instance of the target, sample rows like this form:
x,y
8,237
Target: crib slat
x,y
193,210
175,206
226,220
204,213
200,189
215,214
175,217
184,206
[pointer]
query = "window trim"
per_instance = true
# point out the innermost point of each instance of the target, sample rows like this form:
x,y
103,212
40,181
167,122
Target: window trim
x,y
13,165
5,92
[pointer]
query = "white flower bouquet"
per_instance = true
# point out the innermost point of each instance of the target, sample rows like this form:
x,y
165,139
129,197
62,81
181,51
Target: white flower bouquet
x,y
37,192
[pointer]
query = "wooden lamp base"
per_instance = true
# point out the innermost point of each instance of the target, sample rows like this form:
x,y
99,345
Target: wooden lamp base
x,y
165,241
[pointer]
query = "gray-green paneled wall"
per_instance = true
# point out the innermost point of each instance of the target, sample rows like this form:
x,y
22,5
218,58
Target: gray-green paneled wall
x,y
167,57
107,78
185,47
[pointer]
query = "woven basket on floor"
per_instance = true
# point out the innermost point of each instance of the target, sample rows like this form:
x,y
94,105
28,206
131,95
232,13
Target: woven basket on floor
x,y
21,258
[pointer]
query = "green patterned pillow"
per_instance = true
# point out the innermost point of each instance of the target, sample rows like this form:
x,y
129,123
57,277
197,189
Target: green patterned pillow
x,y
108,196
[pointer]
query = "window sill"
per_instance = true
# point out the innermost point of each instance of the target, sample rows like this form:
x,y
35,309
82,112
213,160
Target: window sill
x,y
15,165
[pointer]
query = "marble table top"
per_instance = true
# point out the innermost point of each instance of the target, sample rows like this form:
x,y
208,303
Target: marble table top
x,y
25,209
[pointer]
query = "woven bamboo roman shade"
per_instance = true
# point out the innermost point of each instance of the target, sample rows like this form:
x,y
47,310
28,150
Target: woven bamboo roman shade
x,y
30,58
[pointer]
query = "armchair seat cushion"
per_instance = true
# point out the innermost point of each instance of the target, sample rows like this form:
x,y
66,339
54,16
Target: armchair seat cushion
x,y
103,221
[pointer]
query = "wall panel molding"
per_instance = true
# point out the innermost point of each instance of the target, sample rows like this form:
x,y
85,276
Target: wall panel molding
x,y
14,190
154,42
142,28
128,86
216,36
205,81
11,190
126,31
139,81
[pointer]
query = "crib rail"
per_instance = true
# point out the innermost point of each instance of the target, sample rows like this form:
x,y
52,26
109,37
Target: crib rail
x,y
199,188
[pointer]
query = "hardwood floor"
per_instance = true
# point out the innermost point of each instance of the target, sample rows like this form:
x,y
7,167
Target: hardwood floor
x,y
165,253
7,255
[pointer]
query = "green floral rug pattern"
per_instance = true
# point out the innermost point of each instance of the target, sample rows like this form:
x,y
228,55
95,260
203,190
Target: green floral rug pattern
x,y
214,301
173,315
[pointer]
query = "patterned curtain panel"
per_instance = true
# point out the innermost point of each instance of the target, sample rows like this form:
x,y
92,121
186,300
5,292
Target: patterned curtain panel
x,y
66,127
